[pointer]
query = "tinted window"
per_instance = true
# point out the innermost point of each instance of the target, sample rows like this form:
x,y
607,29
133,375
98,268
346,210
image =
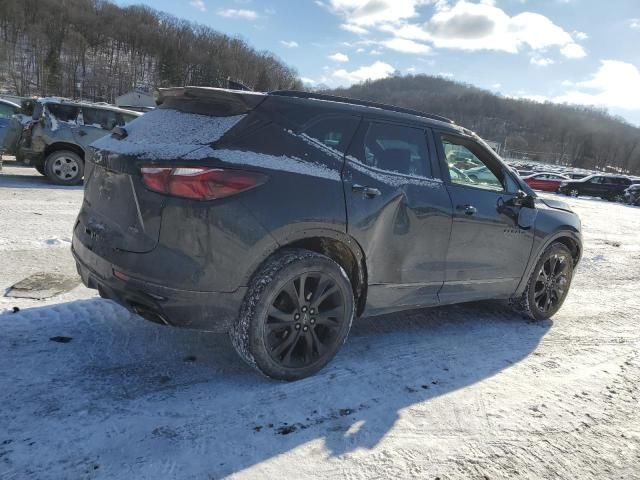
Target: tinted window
x,y
395,148
597,180
6,110
64,113
98,117
476,169
334,132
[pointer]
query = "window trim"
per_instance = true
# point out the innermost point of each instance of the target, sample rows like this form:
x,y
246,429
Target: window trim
x,y
360,136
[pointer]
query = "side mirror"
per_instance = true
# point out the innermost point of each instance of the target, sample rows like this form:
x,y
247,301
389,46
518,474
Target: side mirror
x,y
522,199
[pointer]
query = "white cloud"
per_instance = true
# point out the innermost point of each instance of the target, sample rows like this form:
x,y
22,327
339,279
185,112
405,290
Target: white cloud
x,y
471,26
580,35
339,57
496,86
460,24
238,13
290,44
366,13
615,85
354,28
541,61
634,23
308,81
445,75
199,4
573,50
374,71
375,51
406,46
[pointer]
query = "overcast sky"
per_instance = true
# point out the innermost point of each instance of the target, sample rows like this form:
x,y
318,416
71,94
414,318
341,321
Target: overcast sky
x,y
577,51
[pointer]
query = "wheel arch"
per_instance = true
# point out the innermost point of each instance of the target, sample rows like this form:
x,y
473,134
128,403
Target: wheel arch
x,y
569,238
338,246
58,146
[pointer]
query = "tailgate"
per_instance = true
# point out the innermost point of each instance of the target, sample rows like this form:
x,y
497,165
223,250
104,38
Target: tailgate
x,y
117,211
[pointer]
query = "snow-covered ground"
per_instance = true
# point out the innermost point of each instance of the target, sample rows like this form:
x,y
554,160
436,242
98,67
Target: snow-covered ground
x,y
469,391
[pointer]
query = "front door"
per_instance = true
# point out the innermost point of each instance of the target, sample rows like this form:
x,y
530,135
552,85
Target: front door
x,y
399,212
492,234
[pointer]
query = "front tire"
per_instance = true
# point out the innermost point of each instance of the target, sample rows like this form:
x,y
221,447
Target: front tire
x,y
64,167
548,284
574,193
296,315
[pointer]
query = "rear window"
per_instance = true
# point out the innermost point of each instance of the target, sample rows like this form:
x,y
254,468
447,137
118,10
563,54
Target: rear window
x,y
165,133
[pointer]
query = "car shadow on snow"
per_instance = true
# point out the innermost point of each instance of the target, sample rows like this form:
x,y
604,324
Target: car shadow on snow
x,y
187,392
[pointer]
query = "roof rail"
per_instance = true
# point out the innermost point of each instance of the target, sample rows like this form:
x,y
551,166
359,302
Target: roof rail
x,y
363,103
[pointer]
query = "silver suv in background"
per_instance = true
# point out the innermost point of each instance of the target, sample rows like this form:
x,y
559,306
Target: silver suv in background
x,y
55,138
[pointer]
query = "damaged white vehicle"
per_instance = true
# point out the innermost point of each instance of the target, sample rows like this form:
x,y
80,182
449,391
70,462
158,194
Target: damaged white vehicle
x,y
54,140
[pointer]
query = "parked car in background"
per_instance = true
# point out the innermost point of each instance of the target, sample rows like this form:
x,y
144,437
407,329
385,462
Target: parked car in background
x,y
280,217
55,139
608,187
7,110
548,182
632,194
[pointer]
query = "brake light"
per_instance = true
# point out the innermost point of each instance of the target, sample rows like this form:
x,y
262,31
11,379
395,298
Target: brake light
x,y
199,183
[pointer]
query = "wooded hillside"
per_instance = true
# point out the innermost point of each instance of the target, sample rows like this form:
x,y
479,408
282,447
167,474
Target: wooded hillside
x,y
573,135
97,50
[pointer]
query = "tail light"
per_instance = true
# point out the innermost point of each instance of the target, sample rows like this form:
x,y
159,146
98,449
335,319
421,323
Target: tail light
x,y
199,183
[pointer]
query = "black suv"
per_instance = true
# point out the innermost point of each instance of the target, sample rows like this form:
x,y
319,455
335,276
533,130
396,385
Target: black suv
x,y
281,217
608,187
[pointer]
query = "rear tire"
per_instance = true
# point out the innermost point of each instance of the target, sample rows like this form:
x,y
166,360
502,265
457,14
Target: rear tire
x,y
64,167
574,193
548,284
296,315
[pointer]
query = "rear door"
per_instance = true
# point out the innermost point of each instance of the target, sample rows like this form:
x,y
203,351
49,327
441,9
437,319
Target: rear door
x,y
399,212
491,236
594,186
96,123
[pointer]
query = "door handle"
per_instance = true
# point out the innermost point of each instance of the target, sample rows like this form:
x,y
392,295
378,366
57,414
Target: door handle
x,y
367,192
468,209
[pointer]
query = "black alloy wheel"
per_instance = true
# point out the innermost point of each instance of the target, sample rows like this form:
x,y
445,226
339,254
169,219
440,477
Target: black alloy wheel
x,y
304,320
296,315
548,284
552,282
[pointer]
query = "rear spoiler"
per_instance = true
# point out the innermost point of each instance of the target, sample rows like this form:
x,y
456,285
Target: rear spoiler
x,y
222,101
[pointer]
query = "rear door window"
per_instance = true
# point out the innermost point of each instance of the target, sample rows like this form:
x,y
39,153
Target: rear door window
x,y
394,148
64,113
334,132
99,118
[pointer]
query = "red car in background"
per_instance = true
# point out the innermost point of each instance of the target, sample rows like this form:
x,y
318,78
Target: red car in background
x,y
549,182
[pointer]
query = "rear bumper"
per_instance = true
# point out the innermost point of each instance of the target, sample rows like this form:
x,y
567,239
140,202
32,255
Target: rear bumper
x,y
208,311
